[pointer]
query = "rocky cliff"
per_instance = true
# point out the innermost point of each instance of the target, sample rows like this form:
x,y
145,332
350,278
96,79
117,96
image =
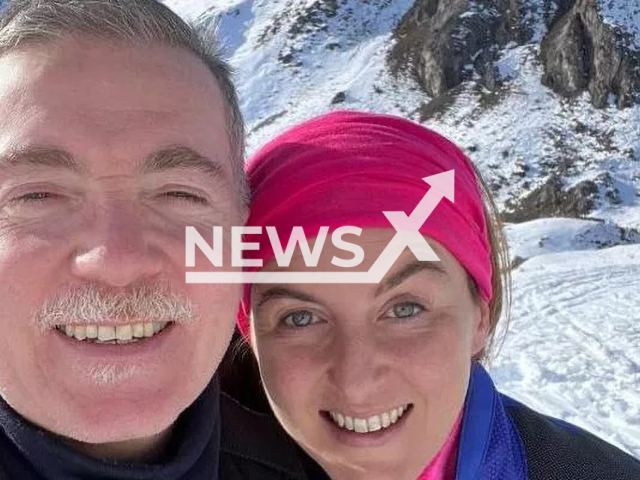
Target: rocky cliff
x,y
444,43
585,51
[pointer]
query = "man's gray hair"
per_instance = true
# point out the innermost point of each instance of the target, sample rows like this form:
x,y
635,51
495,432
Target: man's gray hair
x,y
135,21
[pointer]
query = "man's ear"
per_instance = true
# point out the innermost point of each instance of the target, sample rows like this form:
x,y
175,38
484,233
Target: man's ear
x,y
482,327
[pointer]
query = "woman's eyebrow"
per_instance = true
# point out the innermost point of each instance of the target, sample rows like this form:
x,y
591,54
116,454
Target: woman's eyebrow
x,y
282,292
407,271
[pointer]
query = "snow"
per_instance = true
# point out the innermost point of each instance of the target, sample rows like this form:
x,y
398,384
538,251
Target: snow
x,y
354,66
623,14
530,126
573,345
553,235
536,15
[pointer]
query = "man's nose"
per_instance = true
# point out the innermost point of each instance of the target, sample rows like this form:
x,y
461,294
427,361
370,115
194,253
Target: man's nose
x,y
358,367
115,250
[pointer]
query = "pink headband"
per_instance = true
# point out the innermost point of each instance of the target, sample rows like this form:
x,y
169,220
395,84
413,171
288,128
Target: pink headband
x,y
346,168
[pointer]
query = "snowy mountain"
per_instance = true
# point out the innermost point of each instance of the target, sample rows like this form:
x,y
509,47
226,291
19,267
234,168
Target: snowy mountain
x,y
297,58
543,95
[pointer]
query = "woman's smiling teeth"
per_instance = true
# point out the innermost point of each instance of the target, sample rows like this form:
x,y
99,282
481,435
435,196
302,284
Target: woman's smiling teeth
x,y
128,333
371,424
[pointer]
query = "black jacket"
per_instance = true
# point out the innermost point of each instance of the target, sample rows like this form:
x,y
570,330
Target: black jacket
x,y
556,450
502,439
253,446
214,439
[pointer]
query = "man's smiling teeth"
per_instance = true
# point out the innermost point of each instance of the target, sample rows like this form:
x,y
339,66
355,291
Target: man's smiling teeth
x,y
371,424
113,334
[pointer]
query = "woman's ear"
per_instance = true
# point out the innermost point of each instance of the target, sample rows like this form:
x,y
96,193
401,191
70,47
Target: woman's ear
x,y
482,327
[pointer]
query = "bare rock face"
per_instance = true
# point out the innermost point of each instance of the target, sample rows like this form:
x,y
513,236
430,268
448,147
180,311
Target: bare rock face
x,y
444,43
567,52
425,44
552,199
581,52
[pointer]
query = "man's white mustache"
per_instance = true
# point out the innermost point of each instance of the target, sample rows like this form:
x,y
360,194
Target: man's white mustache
x,y
93,304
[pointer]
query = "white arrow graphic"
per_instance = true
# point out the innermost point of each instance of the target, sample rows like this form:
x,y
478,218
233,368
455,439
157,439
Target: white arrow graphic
x,y
407,235
442,186
408,227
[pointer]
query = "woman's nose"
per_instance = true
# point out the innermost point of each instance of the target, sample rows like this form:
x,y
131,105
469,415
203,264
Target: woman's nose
x,y
358,367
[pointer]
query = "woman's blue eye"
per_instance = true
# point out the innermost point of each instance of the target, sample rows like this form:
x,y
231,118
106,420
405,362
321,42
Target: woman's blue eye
x,y
299,319
405,310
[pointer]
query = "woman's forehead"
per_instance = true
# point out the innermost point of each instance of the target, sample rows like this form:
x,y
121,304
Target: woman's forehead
x,y
444,274
373,243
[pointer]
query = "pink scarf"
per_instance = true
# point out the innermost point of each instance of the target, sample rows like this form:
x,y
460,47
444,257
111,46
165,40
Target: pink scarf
x,y
443,465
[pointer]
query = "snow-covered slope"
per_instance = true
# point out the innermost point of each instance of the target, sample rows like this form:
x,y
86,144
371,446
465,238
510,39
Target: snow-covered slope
x,y
625,15
290,68
572,346
573,349
554,235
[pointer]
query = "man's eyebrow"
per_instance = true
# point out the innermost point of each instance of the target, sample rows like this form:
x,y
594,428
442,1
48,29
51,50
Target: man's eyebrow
x,y
281,292
180,157
407,271
51,157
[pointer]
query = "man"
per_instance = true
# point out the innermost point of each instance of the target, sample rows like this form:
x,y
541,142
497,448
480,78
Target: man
x,y
119,127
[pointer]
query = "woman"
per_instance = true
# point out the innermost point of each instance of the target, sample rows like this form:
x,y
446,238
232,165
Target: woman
x,y
383,380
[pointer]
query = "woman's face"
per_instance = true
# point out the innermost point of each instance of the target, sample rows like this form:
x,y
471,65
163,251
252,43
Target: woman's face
x,y
369,379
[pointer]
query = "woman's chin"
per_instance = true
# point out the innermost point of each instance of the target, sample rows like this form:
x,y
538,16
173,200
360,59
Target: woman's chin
x,y
381,454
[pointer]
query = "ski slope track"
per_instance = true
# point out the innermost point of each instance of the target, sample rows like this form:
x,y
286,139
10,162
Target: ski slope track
x,y
572,345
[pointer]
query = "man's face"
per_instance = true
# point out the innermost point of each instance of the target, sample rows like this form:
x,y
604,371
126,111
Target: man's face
x,y
107,153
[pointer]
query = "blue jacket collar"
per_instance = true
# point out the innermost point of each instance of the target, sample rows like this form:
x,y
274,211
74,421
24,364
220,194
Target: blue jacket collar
x,y
490,447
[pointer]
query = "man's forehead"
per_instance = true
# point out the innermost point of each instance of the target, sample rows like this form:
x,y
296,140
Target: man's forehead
x,y
53,112
102,68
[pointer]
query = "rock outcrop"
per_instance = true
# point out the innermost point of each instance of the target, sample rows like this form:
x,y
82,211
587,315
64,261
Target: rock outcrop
x,y
551,199
444,43
581,52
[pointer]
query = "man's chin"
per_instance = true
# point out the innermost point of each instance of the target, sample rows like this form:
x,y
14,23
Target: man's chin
x,y
137,407
120,421
118,393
